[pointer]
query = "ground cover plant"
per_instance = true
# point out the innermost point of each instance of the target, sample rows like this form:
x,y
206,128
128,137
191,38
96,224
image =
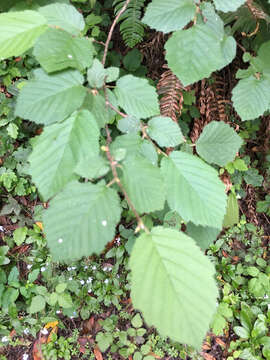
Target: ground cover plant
x,y
133,130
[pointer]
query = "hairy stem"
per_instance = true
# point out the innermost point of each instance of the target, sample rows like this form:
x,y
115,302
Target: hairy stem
x,y
113,164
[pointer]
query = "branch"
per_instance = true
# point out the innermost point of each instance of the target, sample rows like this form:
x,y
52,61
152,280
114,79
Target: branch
x,y
113,107
113,164
111,31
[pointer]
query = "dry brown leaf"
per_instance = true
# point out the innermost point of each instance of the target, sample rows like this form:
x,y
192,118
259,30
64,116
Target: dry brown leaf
x,y
98,354
208,356
206,346
37,352
220,342
154,355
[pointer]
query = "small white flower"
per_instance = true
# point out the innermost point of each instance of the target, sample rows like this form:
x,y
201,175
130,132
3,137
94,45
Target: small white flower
x,y
42,268
104,222
25,357
58,311
73,268
2,228
44,331
86,267
70,278
89,291
5,339
106,281
26,331
266,297
118,240
60,241
69,268
29,266
89,280
70,56
105,268
82,282
118,276
94,267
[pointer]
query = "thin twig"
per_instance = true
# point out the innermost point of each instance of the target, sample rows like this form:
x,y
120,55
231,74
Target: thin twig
x,y
98,42
114,108
111,31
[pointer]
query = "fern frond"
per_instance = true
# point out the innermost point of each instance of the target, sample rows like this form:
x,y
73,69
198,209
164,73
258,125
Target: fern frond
x,y
131,27
246,17
170,90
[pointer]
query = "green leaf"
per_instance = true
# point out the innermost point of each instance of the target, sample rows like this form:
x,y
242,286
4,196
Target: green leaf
x,y
60,288
12,130
137,356
172,220
112,74
129,124
170,272
218,324
93,166
133,145
228,6
132,61
239,164
9,297
243,333
104,340
218,143
3,259
64,300
219,321
18,32
57,50
194,189
188,55
251,97
53,299
13,276
37,304
165,131
61,93
19,235
63,16
232,213
170,15
137,97
252,177
96,75
189,58
136,321
228,50
203,235
59,149
85,227
33,275
144,185
96,104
